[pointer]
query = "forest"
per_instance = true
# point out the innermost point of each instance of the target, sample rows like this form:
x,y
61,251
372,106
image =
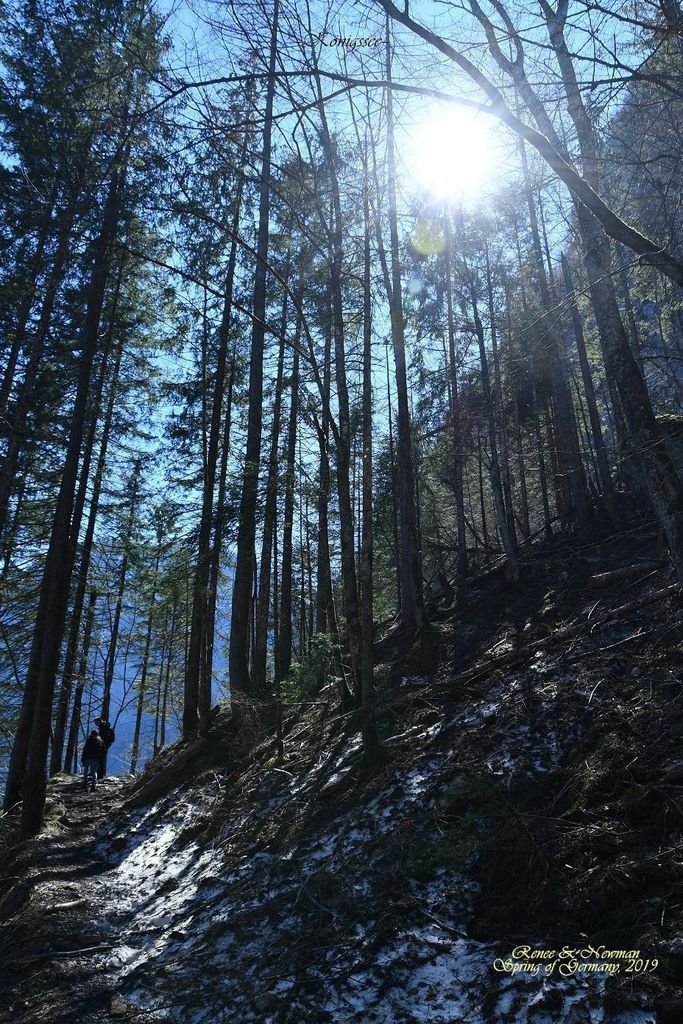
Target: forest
x,y
297,336
310,315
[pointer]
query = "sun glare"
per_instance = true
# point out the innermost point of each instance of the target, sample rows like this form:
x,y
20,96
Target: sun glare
x,y
452,154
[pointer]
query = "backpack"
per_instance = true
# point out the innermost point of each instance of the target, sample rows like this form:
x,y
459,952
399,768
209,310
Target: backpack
x,y
108,735
94,748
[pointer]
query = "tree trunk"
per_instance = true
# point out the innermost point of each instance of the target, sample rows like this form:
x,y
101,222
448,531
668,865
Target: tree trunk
x,y
509,545
29,753
630,314
79,597
524,499
343,435
240,680
26,304
371,744
482,503
302,565
143,674
589,391
456,426
110,660
411,609
198,669
499,407
11,534
167,680
160,683
572,477
26,395
217,543
269,516
72,742
325,620
286,579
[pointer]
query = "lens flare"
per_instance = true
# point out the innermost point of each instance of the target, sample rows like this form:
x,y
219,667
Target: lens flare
x,y
429,238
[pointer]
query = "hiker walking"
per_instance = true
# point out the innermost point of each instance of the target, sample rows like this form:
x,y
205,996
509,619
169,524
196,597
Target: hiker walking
x,y
93,751
107,735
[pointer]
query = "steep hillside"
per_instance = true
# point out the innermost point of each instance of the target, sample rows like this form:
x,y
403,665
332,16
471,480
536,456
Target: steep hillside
x,y
528,802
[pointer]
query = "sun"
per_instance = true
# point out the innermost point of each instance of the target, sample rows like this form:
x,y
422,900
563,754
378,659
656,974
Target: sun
x,y
452,153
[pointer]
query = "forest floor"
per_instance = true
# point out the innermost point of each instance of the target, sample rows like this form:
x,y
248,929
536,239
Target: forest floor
x,y
529,798
48,953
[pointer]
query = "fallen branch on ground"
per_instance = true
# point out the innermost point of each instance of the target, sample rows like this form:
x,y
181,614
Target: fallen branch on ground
x,y
604,579
66,906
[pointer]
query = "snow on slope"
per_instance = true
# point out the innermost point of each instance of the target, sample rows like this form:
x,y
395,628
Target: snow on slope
x,y
297,911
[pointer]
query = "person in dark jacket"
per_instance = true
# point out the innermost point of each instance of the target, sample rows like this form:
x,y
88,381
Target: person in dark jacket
x,y
93,750
107,735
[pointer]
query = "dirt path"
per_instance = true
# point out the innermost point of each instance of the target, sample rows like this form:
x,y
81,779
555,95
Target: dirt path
x,y
56,890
